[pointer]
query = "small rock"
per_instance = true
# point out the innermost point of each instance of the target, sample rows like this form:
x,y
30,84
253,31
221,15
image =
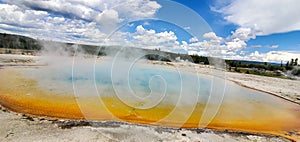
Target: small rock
x,y
29,118
199,131
10,133
70,124
183,134
41,119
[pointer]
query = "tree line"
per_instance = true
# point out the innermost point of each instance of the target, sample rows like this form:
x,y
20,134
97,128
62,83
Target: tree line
x,y
18,42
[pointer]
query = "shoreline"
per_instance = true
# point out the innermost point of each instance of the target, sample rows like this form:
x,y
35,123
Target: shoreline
x,y
277,90
245,80
267,92
69,123
86,129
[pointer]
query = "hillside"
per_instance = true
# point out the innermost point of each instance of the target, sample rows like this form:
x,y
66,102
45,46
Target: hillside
x,y
11,42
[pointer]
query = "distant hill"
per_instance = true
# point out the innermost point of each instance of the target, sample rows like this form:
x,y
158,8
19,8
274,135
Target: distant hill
x,y
255,62
18,42
10,41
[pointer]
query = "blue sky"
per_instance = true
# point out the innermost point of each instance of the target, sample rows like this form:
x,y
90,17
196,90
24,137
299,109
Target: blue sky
x,y
234,29
215,20
284,41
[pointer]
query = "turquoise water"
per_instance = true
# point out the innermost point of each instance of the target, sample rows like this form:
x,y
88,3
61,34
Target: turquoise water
x,y
135,82
142,82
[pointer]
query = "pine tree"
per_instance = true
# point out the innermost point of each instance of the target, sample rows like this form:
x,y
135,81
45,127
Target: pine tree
x,y
292,62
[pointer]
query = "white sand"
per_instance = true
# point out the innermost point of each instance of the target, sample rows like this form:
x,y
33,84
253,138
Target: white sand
x,y
16,128
15,56
289,89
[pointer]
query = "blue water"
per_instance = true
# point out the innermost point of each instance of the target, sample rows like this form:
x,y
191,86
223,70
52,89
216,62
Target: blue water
x,y
139,82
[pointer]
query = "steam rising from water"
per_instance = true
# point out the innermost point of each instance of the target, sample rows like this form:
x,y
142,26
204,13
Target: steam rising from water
x,y
126,75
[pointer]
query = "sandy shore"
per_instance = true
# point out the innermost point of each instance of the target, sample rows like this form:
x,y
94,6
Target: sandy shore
x,y
15,127
285,88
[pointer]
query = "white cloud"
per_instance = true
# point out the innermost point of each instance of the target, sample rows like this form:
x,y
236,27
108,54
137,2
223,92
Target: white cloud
x,y
199,53
232,48
72,20
271,56
266,16
194,39
266,46
40,24
214,45
255,54
150,39
235,44
108,20
273,46
256,46
135,9
13,15
243,53
66,8
212,36
244,34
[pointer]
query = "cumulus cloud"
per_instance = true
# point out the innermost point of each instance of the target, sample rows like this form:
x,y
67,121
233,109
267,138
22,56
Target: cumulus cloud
x,y
239,39
244,34
214,45
65,8
40,24
266,16
232,48
151,39
71,20
135,9
108,20
235,44
273,56
90,9
194,39
199,53
13,15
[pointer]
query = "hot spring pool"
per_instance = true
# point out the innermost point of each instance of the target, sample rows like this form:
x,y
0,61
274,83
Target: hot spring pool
x,y
148,94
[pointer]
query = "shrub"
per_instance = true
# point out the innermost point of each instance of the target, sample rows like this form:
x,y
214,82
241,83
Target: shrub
x,y
296,71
